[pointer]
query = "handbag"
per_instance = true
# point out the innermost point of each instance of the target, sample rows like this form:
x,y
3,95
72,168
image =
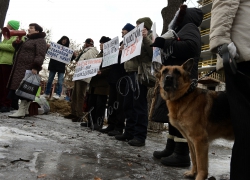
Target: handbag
x,y
145,76
29,86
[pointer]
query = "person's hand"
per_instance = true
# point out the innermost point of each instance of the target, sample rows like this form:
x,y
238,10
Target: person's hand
x,y
75,53
48,46
34,71
18,40
144,32
168,35
233,50
99,72
159,42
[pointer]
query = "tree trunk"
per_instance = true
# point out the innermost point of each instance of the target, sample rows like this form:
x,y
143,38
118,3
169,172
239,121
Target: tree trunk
x,y
3,11
169,12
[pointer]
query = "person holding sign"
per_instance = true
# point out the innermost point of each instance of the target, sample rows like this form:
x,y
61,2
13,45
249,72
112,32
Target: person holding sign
x,y
115,111
80,86
98,92
29,58
135,103
59,68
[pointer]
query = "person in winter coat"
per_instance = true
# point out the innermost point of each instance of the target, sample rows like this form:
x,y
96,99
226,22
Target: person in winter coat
x,y
29,58
59,68
115,111
80,86
176,52
98,92
136,110
230,27
6,60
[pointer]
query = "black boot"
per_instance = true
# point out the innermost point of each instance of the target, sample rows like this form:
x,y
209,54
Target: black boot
x,y
180,157
108,129
169,149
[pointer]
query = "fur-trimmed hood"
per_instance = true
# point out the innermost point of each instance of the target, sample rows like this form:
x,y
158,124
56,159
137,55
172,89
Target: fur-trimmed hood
x,y
184,16
36,35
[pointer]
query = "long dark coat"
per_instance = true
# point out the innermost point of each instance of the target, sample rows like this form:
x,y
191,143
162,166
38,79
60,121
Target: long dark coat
x,y
30,55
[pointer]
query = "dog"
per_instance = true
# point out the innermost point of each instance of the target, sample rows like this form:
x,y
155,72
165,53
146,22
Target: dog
x,y
200,115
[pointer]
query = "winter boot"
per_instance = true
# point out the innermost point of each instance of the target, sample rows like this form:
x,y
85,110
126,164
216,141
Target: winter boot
x,y
169,149
27,109
21,111
108,129
180,157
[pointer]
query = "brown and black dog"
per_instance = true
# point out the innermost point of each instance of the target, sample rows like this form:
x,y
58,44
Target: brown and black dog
x,y
200,115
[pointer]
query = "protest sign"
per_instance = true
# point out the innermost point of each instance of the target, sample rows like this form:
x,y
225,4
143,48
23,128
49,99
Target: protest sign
x,y
110,52
59,53
87,68
132,43
156,50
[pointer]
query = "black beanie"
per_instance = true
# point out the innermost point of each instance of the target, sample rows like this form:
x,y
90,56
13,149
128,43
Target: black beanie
x,y
104,39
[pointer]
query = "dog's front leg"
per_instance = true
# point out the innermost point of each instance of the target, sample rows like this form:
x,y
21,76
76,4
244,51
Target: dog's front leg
x,y
201,153
193,171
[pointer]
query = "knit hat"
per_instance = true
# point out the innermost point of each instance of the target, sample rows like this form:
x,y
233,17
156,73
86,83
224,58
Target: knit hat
x,y
104,39
147,22
89,41
14,24
128,27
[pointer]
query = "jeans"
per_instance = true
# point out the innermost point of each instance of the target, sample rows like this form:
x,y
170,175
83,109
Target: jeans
x,y
58,85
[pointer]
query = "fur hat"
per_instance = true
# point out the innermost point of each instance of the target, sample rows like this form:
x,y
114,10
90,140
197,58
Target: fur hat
x,y
89,41
147,22
184,16
104,39
14,24
159,42
128,27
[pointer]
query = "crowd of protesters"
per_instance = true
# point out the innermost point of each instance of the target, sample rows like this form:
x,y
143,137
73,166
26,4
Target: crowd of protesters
x,y
127,115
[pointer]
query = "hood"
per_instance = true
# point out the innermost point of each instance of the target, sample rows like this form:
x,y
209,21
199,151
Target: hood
x,y
184,16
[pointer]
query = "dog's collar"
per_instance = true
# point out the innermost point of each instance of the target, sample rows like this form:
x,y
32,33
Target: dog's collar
x,y
192,86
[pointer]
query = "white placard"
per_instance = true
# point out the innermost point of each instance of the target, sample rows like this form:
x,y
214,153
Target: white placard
x,y
156,50
87,68
110,52
132,43
60,53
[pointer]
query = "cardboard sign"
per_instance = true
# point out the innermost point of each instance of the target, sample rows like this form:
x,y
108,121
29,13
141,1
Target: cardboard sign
x,y
110,52
60,53
87,68
132,43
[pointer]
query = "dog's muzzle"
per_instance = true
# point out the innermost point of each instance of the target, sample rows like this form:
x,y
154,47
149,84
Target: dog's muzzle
x,y
168,82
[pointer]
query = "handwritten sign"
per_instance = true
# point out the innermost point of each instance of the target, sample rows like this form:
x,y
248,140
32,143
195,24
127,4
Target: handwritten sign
x,y
87,68
59,53
132,43
110,52
156,50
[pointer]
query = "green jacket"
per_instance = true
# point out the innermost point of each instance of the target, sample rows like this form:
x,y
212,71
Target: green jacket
x,y
145,57
7,51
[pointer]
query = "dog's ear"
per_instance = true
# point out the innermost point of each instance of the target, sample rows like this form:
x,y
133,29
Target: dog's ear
x,y
156,66
188,65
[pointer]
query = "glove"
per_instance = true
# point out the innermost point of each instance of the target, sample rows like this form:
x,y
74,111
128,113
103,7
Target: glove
x,y
168,35
232,50
159,42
